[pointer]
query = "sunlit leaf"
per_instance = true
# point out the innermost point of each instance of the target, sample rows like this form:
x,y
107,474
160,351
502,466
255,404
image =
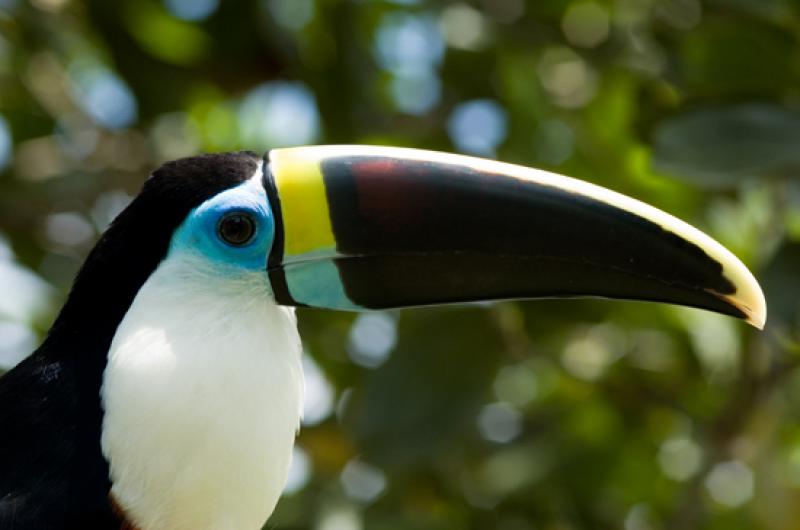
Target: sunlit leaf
x,y
167,38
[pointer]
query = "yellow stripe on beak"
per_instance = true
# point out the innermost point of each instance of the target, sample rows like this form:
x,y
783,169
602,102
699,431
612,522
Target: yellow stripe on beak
x,y
304,204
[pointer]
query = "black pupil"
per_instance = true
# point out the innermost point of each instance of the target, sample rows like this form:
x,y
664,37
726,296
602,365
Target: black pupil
x,y
236,229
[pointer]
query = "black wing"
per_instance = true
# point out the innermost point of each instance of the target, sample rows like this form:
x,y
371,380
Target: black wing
x,y
52,472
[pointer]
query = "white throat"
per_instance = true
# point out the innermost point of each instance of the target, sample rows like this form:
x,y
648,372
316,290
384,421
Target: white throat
x,y
202,395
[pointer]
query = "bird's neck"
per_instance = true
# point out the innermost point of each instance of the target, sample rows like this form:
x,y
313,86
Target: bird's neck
x,y
202,396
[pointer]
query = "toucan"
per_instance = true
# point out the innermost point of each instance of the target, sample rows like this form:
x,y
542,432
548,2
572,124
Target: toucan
x,y
168,392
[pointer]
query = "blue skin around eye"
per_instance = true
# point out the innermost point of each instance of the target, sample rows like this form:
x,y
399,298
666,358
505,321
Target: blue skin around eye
x,y
198,233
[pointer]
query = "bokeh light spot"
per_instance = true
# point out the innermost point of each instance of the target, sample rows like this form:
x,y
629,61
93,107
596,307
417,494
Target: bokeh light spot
x,y
640,517
279,114
68,229
590,353
680,458
108,206
175,135
568,79
730,483
464,27
104,96
318,400
500,422
516,384
416,92
291,14
340,517
17,340
6,143
478,127
372,338
25,294
586,24
362,482
300,471
716,341
192,10
554,142
793,466
408,43
77,137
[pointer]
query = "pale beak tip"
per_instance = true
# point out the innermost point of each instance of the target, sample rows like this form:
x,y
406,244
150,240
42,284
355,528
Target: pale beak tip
x,y
747,296
756,317
752,304
758,323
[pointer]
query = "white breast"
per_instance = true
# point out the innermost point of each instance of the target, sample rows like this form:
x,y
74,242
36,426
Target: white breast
x,y
202,395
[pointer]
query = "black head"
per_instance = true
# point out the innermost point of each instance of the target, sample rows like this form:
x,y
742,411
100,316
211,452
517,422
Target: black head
x,y
138,239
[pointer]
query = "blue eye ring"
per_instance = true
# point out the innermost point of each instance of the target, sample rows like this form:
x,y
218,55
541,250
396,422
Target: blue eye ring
x,y
236,229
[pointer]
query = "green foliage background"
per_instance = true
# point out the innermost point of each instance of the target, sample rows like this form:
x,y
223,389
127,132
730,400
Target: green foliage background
x,y
549,415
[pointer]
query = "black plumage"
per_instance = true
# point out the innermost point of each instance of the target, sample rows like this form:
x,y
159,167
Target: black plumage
x,y
52,471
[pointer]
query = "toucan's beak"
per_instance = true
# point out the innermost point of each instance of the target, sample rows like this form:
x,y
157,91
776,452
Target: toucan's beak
x,y
375,227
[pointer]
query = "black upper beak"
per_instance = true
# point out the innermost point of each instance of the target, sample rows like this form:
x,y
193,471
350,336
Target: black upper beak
x,y
372,227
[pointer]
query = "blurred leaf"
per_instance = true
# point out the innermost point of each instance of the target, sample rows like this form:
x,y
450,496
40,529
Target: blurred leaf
x,y
781,281
718,147
729,57
426,395
760,7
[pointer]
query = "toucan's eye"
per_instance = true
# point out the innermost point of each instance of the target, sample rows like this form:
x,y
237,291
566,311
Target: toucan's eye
x,y
236,229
